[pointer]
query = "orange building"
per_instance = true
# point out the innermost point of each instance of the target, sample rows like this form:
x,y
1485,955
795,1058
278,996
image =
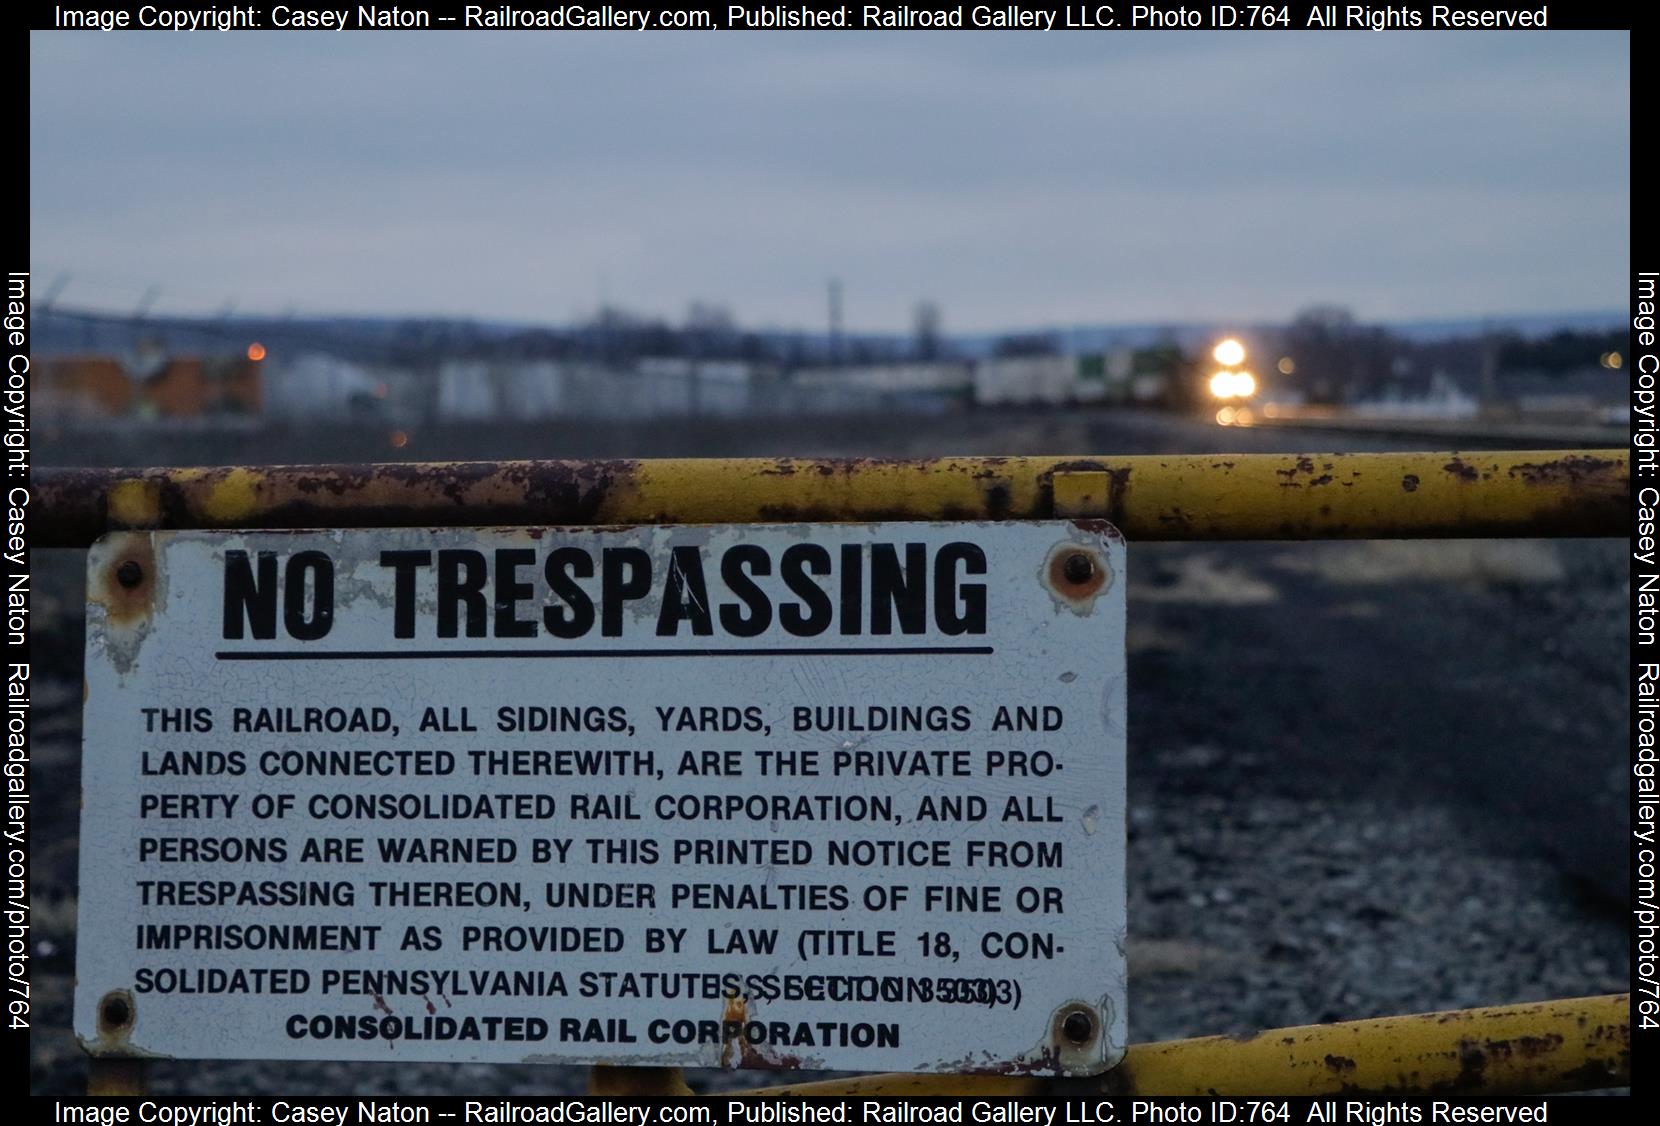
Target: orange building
x,y
181,387
83,386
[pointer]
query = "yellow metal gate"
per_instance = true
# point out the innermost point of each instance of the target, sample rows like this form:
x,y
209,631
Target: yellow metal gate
x,y
1575,1044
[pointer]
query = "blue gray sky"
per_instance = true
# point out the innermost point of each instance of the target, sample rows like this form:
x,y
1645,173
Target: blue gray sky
x,y
1018,180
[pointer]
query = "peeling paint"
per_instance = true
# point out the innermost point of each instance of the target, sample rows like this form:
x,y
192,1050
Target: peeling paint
x,y
1247,496
126,591
1417,1055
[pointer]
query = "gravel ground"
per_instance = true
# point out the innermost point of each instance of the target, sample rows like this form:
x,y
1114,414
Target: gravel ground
x,y
1364,778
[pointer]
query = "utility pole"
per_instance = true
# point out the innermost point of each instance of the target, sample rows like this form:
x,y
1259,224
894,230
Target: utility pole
x,y
927,338
835,322
1489,369
52,294
141,313
145,302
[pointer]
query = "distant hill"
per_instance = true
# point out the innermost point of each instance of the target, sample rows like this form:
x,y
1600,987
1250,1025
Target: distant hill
x,y
1532,327
1085,338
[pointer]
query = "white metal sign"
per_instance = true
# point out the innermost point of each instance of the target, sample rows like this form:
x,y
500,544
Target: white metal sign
x,y
843,796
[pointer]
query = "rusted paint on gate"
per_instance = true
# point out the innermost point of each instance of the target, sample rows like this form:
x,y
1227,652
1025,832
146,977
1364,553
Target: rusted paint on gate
x,y
1511,1049
1569,1045
1212,497
632,1082
116,1078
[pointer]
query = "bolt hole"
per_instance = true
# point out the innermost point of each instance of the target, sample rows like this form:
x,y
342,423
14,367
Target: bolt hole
x,y
115,1011
1078,1027
1079,568
129,574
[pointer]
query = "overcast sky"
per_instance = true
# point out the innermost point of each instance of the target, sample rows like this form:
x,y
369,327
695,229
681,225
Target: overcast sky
x,y
1017,180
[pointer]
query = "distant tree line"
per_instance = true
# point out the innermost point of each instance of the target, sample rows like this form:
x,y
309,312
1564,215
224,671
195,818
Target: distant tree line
x,y
1560,352
1333,357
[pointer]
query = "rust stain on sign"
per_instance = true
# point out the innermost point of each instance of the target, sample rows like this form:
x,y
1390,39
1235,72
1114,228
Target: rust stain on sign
x,y
803,706
124,583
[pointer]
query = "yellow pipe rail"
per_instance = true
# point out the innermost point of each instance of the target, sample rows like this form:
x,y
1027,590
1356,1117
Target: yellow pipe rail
x,y
1571,1045
1210,497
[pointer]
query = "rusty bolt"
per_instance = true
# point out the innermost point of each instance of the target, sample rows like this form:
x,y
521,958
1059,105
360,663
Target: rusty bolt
x,y
115,1011
1078,1027
129,574
1079,568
